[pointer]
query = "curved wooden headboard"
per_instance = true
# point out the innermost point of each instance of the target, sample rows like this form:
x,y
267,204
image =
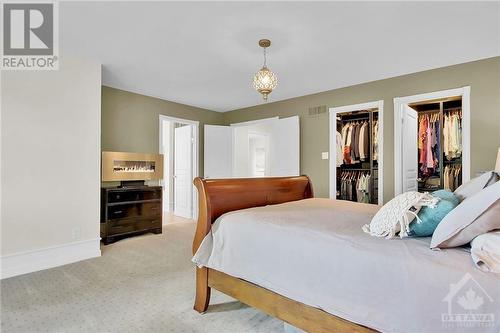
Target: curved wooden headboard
x,y
219,196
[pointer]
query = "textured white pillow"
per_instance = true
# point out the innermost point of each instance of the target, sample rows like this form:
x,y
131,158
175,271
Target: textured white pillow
x,y
475,185
397,214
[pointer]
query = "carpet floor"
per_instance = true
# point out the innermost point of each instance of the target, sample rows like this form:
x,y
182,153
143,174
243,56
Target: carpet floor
x,y
139,284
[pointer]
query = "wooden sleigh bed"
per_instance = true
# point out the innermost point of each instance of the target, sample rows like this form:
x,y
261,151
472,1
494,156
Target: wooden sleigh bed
x,y
219,196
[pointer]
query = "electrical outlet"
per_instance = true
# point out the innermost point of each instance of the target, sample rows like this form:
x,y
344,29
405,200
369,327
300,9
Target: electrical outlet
x,y
324,155
76,233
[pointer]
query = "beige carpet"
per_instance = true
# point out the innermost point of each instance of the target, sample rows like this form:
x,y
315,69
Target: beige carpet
x,y
140,284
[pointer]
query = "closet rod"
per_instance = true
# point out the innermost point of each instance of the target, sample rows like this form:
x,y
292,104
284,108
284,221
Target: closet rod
x,y
427,112
354,119
343,170
352,113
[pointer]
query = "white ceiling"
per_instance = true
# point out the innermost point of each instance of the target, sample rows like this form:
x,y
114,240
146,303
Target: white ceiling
x,y
205,54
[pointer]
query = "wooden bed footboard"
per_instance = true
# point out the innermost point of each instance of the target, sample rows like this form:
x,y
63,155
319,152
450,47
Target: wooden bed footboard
x,y
219,196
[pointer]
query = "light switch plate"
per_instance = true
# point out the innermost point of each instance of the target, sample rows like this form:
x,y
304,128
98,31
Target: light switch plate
x,y
324,155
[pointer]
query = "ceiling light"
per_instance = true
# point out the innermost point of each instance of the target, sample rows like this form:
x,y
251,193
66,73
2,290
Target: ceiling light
x,y
265,81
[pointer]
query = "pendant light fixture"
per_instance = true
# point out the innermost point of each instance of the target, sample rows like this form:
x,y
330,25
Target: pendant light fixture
x,y
265,81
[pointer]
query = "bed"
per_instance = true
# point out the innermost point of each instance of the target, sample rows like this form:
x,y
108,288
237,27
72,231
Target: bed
x,y
268,243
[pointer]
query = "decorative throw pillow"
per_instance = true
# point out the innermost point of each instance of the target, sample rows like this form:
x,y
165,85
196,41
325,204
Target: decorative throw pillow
x,y
475,185
398,213
472,217
429,217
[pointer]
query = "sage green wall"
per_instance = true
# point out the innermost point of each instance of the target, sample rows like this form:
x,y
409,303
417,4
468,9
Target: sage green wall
x,y
483,76
130,122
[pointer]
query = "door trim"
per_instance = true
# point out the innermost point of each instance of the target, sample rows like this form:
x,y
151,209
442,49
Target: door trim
x,y
333,145
464,92
196,152
254,122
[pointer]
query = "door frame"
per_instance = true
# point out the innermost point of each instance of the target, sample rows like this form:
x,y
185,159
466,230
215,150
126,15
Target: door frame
x,y
333,111
266,138
195,154
399,102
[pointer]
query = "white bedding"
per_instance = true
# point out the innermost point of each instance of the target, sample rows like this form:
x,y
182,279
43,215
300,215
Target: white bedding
x,y
314,251
485,251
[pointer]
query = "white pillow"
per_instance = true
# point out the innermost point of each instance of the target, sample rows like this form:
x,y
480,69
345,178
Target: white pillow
x,y
475,185
472,217
397,214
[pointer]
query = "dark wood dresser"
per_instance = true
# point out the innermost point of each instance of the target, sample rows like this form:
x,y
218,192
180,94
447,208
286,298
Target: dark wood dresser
x,y
127,211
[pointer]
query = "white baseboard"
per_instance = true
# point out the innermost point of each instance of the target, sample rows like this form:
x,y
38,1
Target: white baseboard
x,y
36,260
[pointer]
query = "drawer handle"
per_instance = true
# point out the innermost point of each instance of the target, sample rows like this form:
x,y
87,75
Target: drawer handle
x,y
118,212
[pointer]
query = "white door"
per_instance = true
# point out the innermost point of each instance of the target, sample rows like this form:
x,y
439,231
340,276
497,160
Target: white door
x,y
183,178
218,154
410,149
285,147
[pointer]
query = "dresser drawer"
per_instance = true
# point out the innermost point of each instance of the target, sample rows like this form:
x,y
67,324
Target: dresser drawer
x,y
134,210
136,195
151,209
132,225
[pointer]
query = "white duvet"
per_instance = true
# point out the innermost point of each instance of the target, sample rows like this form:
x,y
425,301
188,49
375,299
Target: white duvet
x,y
485,251
314,251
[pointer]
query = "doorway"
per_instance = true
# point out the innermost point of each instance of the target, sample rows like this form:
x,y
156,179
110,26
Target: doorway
x,y
179,146
432,140
356,156
260,148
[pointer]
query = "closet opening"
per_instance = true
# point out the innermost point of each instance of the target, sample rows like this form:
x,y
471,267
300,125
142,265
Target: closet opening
x,y
439,153
356,153
432,141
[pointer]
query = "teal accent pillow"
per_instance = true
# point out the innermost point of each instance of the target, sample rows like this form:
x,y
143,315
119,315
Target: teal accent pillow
x,y
431,217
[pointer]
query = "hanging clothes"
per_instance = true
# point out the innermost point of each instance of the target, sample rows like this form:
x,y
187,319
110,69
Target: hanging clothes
x,y
375,140
452,176
364,143
439,141
364,188
340,152
355,186
428,150
452,135
355,141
